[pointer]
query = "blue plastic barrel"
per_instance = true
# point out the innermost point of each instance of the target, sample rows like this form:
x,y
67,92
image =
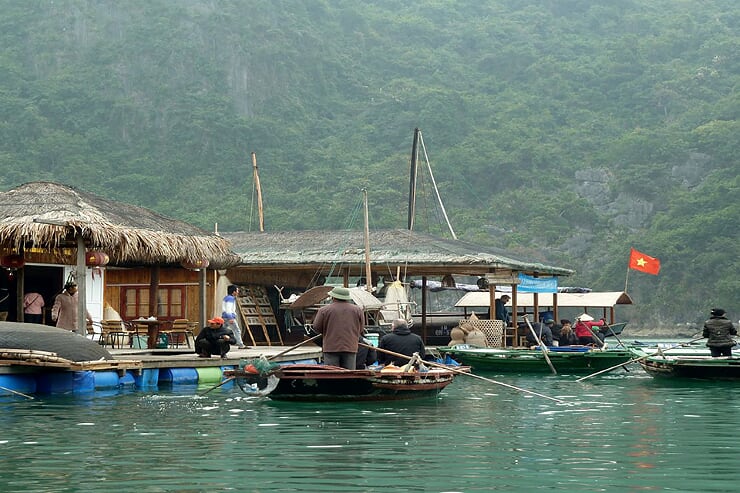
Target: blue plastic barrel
x,y
178,376
149,378
23,383
58,382
106,379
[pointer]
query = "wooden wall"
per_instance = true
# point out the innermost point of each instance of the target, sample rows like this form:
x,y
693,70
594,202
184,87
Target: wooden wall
x,y
116,278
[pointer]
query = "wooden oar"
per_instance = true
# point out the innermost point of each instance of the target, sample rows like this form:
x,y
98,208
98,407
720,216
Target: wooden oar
x,y
634,360
463,372
542,346
614,334
268,358
16,392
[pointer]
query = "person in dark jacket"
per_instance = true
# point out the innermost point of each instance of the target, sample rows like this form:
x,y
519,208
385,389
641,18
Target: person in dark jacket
x,y
401,341
214,339
567,336
543,332
365,356
718,331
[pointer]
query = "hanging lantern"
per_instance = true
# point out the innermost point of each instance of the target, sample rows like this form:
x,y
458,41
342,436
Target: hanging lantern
x,y
96,259
12,261
195,265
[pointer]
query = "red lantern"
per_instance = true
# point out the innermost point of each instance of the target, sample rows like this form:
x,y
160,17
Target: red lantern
x,y
12,261
196,265
96,259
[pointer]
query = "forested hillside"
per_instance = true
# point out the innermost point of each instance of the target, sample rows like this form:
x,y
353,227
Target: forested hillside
x,y
562,130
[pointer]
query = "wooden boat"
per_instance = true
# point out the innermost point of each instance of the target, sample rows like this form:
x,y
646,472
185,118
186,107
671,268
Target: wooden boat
x,y
571,359
325,383
688,363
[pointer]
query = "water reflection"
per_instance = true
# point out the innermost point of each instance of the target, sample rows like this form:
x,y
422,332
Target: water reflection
x,y
624,432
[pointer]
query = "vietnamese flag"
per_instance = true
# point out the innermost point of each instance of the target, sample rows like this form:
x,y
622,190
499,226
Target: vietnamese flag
x,y
644,263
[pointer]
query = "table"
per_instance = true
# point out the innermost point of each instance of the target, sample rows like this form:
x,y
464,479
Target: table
x,y
152,326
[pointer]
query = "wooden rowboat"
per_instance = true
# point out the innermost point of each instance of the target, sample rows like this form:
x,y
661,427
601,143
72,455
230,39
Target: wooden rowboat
x,y
692,364
324,383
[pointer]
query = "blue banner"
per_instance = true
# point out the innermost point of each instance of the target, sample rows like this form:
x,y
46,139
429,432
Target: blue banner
x,y
529,284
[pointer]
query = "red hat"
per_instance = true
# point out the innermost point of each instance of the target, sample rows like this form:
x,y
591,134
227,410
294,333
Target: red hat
x,y
216,320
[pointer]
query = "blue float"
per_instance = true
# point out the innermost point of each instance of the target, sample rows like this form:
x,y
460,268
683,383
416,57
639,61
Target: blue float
x,y
127,380
24,383
106,379
149,378
55,382
178,376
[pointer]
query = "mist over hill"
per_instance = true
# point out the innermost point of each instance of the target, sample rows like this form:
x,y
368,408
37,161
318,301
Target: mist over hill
x,y
562,130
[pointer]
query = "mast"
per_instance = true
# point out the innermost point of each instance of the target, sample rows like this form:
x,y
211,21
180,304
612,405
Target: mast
x,y
369,279
412,179
260,212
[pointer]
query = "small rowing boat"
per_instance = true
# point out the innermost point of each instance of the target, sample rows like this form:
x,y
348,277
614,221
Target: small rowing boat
x,y
317,383
690,362
567,359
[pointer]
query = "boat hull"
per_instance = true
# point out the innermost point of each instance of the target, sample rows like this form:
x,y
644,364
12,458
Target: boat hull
x,y
322,383
696,367
565,360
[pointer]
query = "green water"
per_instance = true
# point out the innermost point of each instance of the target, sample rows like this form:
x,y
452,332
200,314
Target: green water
x,y
622,432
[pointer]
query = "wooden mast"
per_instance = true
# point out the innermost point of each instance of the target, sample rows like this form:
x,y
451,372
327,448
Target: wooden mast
x,y
368,278
412,179
258,187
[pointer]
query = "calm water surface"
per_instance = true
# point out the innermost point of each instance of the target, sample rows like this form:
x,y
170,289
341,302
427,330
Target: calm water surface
x,y
621,432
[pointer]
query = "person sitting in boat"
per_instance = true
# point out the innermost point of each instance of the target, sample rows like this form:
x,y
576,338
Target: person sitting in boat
x,y
567,336
554,329
214,339
543,332
718,330
402,341
365,356
584,332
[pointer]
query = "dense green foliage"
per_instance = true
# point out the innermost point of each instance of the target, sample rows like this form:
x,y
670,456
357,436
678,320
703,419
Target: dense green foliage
x,y
564,130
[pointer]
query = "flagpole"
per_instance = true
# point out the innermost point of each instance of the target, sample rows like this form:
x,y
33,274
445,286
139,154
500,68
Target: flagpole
x,y
626,278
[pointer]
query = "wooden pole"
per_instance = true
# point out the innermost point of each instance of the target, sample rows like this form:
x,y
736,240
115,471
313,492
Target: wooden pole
x,y
634,360
257,184
81,287
368,277
464,372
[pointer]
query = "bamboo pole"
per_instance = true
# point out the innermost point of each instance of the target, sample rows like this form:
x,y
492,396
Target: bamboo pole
x,y
542,346
260,211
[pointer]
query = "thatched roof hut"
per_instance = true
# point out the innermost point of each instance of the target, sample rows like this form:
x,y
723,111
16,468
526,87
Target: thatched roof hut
x,y
416,254
49,216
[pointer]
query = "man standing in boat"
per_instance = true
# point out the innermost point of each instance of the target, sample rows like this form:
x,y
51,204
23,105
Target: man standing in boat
x,y
341,322
501,313
718,331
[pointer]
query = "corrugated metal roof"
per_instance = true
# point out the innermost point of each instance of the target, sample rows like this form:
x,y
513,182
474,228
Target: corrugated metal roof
x,y
592,299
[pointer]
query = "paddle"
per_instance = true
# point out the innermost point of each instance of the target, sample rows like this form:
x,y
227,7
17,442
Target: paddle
x,y
609,327
633,360
268,358
463,372
542,346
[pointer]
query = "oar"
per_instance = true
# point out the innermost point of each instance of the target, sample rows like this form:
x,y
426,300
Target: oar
x,y
462,372
16,392
268,358
614,334
542,346
634,360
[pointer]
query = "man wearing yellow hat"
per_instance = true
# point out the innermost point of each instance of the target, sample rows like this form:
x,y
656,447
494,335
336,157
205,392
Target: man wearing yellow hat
x,y
341,322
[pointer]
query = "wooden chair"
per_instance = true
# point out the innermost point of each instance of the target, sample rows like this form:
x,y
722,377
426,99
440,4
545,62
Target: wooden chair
x,y
115,333
180,332
94,332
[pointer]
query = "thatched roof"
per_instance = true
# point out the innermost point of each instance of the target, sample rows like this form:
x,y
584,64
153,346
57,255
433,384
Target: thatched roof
x,y
127,233
420,253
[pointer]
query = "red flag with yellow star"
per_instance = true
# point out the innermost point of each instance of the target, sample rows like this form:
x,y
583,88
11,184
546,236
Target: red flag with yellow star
x,y
644,263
